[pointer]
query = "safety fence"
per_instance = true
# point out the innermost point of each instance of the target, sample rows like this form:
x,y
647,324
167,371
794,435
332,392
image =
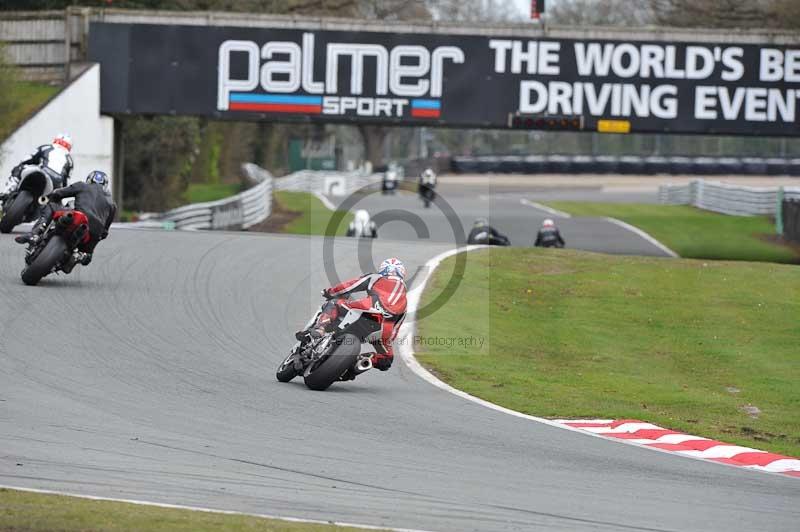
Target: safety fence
x,y
626,165
254,205
327,183
241,211
724,198
791,219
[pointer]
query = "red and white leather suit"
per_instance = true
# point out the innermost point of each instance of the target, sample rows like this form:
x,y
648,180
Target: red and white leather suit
x,y
387,294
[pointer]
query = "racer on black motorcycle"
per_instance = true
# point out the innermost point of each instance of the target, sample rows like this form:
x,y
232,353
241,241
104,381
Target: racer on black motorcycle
x,y
93,199
483,233
427,186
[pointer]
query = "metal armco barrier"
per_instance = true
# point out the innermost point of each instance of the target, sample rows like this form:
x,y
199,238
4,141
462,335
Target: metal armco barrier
x,y
726,199
254,205
241,211
328,183
791,220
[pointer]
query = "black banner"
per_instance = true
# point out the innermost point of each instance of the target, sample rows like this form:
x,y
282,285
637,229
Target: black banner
x,y
448,80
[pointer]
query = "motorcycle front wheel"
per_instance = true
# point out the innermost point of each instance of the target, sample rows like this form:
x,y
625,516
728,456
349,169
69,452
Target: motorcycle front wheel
x,y
286,371
51,255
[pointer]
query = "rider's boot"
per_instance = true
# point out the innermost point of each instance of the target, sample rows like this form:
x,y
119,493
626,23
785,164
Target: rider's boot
x,y
34,235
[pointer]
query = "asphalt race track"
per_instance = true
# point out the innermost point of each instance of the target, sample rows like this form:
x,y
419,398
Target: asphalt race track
x,y
504,210
150,375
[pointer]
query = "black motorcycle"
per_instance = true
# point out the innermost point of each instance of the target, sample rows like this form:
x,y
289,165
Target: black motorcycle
x,y
339,355
21,204
427,193
485,237
52,251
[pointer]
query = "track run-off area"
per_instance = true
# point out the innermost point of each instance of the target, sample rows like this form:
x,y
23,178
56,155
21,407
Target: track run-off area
x,y
150,376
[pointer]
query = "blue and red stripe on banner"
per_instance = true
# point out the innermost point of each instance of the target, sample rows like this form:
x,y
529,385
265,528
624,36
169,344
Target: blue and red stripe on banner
x,y
426,108
275,103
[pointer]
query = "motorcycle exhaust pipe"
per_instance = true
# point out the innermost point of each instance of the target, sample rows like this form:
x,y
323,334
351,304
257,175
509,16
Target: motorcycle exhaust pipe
x,y
43,200
364,364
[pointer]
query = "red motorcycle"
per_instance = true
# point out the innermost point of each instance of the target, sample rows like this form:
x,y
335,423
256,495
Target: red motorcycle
x,y
341,354
52,251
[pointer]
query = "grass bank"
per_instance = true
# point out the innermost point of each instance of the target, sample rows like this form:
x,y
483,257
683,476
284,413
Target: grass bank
x,y
686,344
19,103
694,233
33,512
301,213
201,192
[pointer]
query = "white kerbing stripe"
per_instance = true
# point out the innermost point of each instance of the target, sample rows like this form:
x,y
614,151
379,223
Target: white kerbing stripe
x,y
672,438
720,451
210,510
325,201
407,354
625,427
780,466
545,208
644,235
598,421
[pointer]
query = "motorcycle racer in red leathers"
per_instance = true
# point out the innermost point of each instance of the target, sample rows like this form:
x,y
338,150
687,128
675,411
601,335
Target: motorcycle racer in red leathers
x,y
384,290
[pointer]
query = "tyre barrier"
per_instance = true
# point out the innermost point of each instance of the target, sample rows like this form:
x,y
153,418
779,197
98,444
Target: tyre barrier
x,y
629,164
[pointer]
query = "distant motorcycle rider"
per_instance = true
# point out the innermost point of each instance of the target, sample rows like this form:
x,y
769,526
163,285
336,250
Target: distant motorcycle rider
x,y
385,290
483,233
427,185
549,236
54,159
362,226
92,198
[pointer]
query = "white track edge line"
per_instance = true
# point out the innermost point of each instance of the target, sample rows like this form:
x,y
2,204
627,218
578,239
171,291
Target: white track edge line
x,y
325,201
407,355
545,208
210,510
644,235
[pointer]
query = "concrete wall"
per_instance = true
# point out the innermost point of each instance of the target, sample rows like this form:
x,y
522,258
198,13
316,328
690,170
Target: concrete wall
x,y
76,111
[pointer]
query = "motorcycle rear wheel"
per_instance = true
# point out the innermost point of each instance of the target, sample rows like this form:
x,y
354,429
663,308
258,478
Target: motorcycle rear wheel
x,y
342,359
15,213
50,256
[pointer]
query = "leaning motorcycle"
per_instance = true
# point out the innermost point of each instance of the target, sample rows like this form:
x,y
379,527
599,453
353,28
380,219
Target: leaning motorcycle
x,y
66,230
20,205
486,238
340,354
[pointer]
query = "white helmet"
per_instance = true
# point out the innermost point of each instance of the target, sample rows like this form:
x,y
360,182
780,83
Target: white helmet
x,y
548,223
362,218
393,267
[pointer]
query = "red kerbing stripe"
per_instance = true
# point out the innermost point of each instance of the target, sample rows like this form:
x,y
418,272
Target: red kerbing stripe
x,y
275,108
426,113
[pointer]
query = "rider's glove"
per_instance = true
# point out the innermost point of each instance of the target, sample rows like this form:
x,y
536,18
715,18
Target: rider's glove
x,y
326,294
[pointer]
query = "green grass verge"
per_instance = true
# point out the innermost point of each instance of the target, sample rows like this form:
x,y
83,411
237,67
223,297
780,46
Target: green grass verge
x,y
202,192
22,100
34,512
311,217
685,344
694,233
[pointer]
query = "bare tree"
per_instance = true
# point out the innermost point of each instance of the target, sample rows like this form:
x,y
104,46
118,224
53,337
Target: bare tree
x,y
601,13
